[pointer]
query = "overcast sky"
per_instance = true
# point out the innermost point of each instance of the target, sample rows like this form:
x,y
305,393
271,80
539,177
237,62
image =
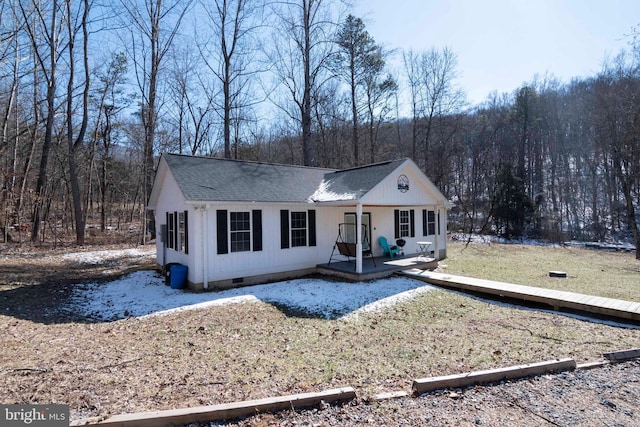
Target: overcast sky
x,y
501,44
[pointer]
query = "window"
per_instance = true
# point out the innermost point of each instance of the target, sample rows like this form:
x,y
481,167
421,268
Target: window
x,y
298,229
404,223
429,222
177,236
240,231
181,232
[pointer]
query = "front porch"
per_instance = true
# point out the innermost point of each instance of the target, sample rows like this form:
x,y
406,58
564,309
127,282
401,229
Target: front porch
x,y
383,266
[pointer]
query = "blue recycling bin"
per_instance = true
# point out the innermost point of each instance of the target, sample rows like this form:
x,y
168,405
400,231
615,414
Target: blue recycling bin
x,y
178,276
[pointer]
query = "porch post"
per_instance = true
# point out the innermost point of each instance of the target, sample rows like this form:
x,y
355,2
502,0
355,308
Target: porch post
x,y
436,240
205,248
359,238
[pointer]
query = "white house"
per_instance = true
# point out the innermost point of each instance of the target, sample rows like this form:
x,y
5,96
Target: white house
x,y
235,223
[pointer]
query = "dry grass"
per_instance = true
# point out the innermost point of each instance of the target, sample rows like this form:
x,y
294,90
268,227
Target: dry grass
x,y
593,272
255,350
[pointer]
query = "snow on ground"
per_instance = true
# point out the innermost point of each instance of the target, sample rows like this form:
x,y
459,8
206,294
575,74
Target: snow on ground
x,y
145,293
102,257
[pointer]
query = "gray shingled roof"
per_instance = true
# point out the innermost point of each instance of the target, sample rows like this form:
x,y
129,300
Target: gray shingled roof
x,y
353,184
212,179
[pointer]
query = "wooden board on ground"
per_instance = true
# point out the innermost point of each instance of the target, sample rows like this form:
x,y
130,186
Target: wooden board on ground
x,y
556,299
223,411
426,385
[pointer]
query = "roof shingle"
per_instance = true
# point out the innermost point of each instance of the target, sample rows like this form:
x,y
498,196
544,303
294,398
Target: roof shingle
x,y
213,179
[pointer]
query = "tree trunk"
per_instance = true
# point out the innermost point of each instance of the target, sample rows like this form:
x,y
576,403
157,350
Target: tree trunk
x,y
307,151
48,131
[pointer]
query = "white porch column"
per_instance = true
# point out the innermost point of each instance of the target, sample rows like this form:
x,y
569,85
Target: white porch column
x,y
205,247
359,238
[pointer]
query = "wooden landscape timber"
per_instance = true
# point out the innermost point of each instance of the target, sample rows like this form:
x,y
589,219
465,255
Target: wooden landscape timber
x,y
248,408
425,385
222,411
622,355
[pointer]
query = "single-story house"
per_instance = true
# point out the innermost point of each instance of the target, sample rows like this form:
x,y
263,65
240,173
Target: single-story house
x,y
234,223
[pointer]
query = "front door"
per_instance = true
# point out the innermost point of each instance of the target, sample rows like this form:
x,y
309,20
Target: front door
x,y
350,229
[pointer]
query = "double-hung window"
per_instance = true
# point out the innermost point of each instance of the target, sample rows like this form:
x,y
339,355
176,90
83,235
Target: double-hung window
x,y
298,229
240,231
181,231
404,223
429,222
177,231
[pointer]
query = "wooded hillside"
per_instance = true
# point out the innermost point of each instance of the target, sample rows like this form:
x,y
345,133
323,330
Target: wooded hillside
x,y
91,94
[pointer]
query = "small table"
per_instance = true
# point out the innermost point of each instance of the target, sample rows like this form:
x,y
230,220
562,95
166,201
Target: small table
x,y
423,249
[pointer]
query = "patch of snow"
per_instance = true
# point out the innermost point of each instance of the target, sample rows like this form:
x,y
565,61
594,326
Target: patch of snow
x,y
323,194
101,257
389,301
144,293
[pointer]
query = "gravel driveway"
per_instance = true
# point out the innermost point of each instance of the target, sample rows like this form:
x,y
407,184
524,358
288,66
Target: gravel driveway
x,y
604,396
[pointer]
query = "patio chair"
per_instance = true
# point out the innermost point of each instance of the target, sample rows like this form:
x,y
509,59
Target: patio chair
x,y
390,250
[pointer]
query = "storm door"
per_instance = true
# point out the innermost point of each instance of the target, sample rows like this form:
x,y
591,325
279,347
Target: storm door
x,y
350,229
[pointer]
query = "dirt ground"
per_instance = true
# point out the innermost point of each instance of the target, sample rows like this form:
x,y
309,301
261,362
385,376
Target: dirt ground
x,y
52,355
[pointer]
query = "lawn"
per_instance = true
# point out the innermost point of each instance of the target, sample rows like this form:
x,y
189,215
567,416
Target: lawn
x,y
589,271
258,349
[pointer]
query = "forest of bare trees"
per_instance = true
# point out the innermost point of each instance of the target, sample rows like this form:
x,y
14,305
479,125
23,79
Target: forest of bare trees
x,y
91,93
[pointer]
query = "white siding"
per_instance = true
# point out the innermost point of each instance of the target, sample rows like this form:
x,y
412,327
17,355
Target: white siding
x,y
271,259
205,264
387,193
170,199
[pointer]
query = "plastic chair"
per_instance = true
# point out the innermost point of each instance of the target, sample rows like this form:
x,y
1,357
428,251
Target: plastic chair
x,y
388,250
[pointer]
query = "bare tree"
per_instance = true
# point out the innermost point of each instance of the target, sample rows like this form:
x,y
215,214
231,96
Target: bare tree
x,y
412,64
301,55
432,76
9,54
110,101
44,27
193,102
232,57
620,122
74,142
154,25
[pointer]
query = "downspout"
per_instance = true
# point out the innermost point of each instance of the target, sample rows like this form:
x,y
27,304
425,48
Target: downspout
x,y
436,246
205,251
163,240
359,238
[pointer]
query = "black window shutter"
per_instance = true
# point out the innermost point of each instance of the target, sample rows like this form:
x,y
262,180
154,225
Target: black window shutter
x,y
176,232
412,222
186,232
284,229
166,232
396,222
425,231
170,231
312,227
257,229
221,231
